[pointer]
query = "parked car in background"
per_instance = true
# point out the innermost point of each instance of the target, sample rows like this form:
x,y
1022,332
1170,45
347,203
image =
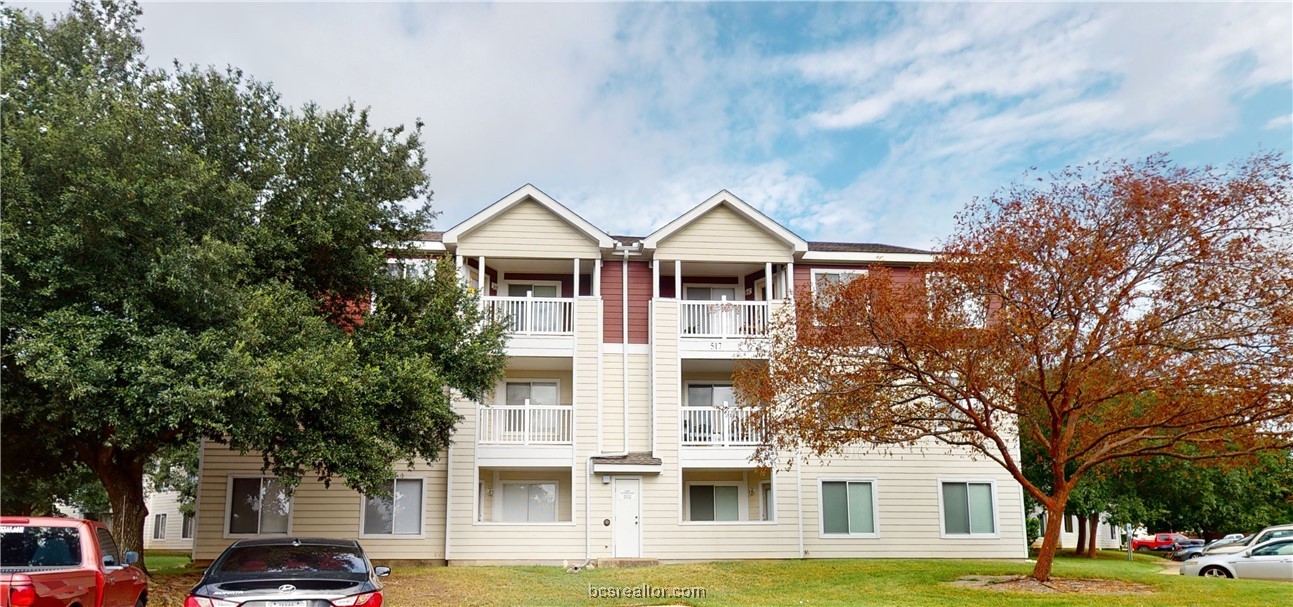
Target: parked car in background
x,y
1271,560
1185,553
60,562
1232,536
1162,541
285,572
1265,535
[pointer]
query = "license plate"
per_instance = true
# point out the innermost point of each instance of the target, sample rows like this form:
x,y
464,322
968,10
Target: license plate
x,y
286,603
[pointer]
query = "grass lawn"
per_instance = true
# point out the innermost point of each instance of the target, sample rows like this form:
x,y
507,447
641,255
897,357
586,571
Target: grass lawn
x,y
898,583
163,562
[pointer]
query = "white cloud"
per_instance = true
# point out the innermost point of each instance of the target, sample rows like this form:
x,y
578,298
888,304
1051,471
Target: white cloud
x,y
1280,122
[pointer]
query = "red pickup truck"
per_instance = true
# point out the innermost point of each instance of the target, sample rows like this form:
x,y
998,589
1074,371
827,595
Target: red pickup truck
x,y
61,562
1162,541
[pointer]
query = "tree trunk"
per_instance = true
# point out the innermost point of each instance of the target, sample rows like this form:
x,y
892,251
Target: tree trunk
x,y
1094,525
1081,541
1050,540
122,475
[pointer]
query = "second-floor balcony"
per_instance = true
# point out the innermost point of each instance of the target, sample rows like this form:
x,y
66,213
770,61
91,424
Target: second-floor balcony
x,y
526,424
531,315
720,426
722,319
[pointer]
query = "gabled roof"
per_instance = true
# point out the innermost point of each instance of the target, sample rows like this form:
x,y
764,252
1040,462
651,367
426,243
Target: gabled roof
x,y
728,199
528,192
862,247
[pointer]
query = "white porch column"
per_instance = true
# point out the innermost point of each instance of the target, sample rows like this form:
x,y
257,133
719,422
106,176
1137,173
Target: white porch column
x,y
482,281
677,279
790,281
655,279
767,281
459,264
576,293
597,277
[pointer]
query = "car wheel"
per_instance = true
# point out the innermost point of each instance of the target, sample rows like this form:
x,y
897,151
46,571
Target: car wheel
x,y
1215,571
1142,549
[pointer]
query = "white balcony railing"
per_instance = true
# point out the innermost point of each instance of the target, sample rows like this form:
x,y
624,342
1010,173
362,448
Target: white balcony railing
x,y
525,424
719,426
723,319
533,315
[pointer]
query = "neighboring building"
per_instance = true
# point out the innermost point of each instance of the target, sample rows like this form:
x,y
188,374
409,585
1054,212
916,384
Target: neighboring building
x,y
616,433
1107,537
166,528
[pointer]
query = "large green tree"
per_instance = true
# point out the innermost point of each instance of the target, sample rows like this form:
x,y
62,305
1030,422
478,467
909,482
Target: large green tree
x,y
187,258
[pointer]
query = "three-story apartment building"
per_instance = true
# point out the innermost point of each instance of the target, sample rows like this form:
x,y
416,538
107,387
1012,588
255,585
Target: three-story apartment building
x,y
616,433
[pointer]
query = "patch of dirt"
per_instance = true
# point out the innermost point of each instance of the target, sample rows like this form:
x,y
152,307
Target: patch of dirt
x,y
169,590
1023,583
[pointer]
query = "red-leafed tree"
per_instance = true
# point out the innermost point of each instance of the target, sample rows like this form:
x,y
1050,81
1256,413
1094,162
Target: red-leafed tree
x,y
1111,312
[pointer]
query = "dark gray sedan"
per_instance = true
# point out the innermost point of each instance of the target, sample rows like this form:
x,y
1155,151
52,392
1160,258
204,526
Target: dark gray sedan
x,y
290,572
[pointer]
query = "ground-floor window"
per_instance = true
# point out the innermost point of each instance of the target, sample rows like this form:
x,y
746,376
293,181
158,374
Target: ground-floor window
x,y
529,502
258,505
968,508
159,526
1068,523
848,507
713,502
767,504
397,514
186,527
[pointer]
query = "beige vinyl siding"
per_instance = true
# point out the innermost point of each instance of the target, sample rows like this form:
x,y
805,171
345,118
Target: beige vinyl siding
x,y
317,511
527,230
907,495
639,405
724,235
612,404
166,502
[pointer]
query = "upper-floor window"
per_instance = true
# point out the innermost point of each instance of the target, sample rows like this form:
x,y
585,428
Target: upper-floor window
x,y
824,280
516,289
710,293
258,505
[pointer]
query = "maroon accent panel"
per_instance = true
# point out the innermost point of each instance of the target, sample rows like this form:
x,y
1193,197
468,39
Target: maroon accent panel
x,y
639,302
490,273
612,302
748,282
666,288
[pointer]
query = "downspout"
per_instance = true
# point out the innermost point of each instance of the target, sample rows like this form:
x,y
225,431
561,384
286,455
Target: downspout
x,y
799,500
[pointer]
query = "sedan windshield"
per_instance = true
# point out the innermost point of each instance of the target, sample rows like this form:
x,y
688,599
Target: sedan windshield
x,y
289,558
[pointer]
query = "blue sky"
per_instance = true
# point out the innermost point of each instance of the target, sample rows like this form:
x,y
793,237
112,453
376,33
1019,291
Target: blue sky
x,y
844,121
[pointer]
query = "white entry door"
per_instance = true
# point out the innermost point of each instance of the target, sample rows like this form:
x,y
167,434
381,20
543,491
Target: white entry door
x,y
627,513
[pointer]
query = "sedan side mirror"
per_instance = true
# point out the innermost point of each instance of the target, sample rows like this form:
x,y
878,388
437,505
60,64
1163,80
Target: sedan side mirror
x,y
382,571
132,557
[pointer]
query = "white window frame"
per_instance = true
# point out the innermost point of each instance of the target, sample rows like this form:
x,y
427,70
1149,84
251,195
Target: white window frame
x,y
821,507
996,507
855,272
736,288
188,524
505,286
422,514
501,389
498,502
742,502
768,508
159,526
228,504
